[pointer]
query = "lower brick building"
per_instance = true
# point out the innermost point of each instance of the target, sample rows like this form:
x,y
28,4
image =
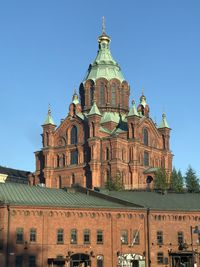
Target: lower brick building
x,y
79,227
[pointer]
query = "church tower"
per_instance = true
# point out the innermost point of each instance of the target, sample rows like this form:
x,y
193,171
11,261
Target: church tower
x,y
102,137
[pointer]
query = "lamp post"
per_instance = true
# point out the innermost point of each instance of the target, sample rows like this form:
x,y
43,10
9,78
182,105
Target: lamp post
x,y
196,231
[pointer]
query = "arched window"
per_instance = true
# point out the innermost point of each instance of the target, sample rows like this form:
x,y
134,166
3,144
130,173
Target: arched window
x,y
91,95
93,130
163,139
132,130
107,154
74,136
145,137
102,93
64,160
74,157
47,138
146,159
113,99
58,161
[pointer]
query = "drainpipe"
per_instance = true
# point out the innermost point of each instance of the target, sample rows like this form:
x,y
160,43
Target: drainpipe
x,y
8,237
148,239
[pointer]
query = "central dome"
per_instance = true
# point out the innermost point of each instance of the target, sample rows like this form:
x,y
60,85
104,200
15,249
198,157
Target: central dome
x,y
104,66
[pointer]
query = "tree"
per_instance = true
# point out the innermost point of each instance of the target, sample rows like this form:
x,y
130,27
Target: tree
x,y
115,183
191,180
176,181
161,180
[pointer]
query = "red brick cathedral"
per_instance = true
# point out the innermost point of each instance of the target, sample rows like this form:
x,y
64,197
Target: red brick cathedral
x,y
102,137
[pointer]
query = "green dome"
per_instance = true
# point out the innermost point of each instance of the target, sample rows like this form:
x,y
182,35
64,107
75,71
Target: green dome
x,y
104,66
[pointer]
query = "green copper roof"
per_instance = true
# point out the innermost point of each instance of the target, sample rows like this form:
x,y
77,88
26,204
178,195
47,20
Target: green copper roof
x,y
143,100
75,99
163,123
49,119
158,201
113,116
133,110
94,110
19,194
104,66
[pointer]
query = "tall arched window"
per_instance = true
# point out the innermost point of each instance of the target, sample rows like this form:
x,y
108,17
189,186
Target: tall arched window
x,y
74,136
58,161
102,93
113,99
163,139
133,131
91,95
107,154
64,161
145,137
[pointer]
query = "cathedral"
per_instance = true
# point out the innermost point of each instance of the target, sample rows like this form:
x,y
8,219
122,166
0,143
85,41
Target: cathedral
x,y
103,137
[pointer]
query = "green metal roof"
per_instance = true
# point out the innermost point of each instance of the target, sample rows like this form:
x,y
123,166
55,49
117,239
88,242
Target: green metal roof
x,y
19,194
104,66
163,123
94,110
133,110
49,119
158,201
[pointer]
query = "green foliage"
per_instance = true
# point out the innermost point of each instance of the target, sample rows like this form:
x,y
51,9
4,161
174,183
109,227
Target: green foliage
x,y
191,180
115,183
160,181
177,181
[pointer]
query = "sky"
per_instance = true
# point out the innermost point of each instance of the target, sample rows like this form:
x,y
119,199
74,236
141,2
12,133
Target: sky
x,y
45,50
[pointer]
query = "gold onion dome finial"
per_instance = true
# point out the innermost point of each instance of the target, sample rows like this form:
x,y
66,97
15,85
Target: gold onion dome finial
x,y
104,36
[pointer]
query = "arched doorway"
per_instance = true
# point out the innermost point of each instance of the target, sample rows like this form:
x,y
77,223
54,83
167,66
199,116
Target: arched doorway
x,y
80,260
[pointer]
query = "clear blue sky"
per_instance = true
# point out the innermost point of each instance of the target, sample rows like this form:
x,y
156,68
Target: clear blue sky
x,y
46,47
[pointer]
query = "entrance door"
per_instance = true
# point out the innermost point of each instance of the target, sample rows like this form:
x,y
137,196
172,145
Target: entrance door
x,y
182,261
80,260
135,263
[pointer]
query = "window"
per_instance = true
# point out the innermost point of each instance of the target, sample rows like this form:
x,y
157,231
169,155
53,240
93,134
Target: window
x,y
64,160
113,94
74,157
32,235
58,161
73,236
99,260
102,93
91,95
99,237
163,139
107,154
145,137
136,237
60,239
74,136
60,261
146,159
199,237
180,238
19,261
86,236
31,261
19,235
133,131
159,237
124,237
160,258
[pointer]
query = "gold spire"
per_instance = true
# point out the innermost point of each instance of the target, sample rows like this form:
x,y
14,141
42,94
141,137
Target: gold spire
x,y
104,36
